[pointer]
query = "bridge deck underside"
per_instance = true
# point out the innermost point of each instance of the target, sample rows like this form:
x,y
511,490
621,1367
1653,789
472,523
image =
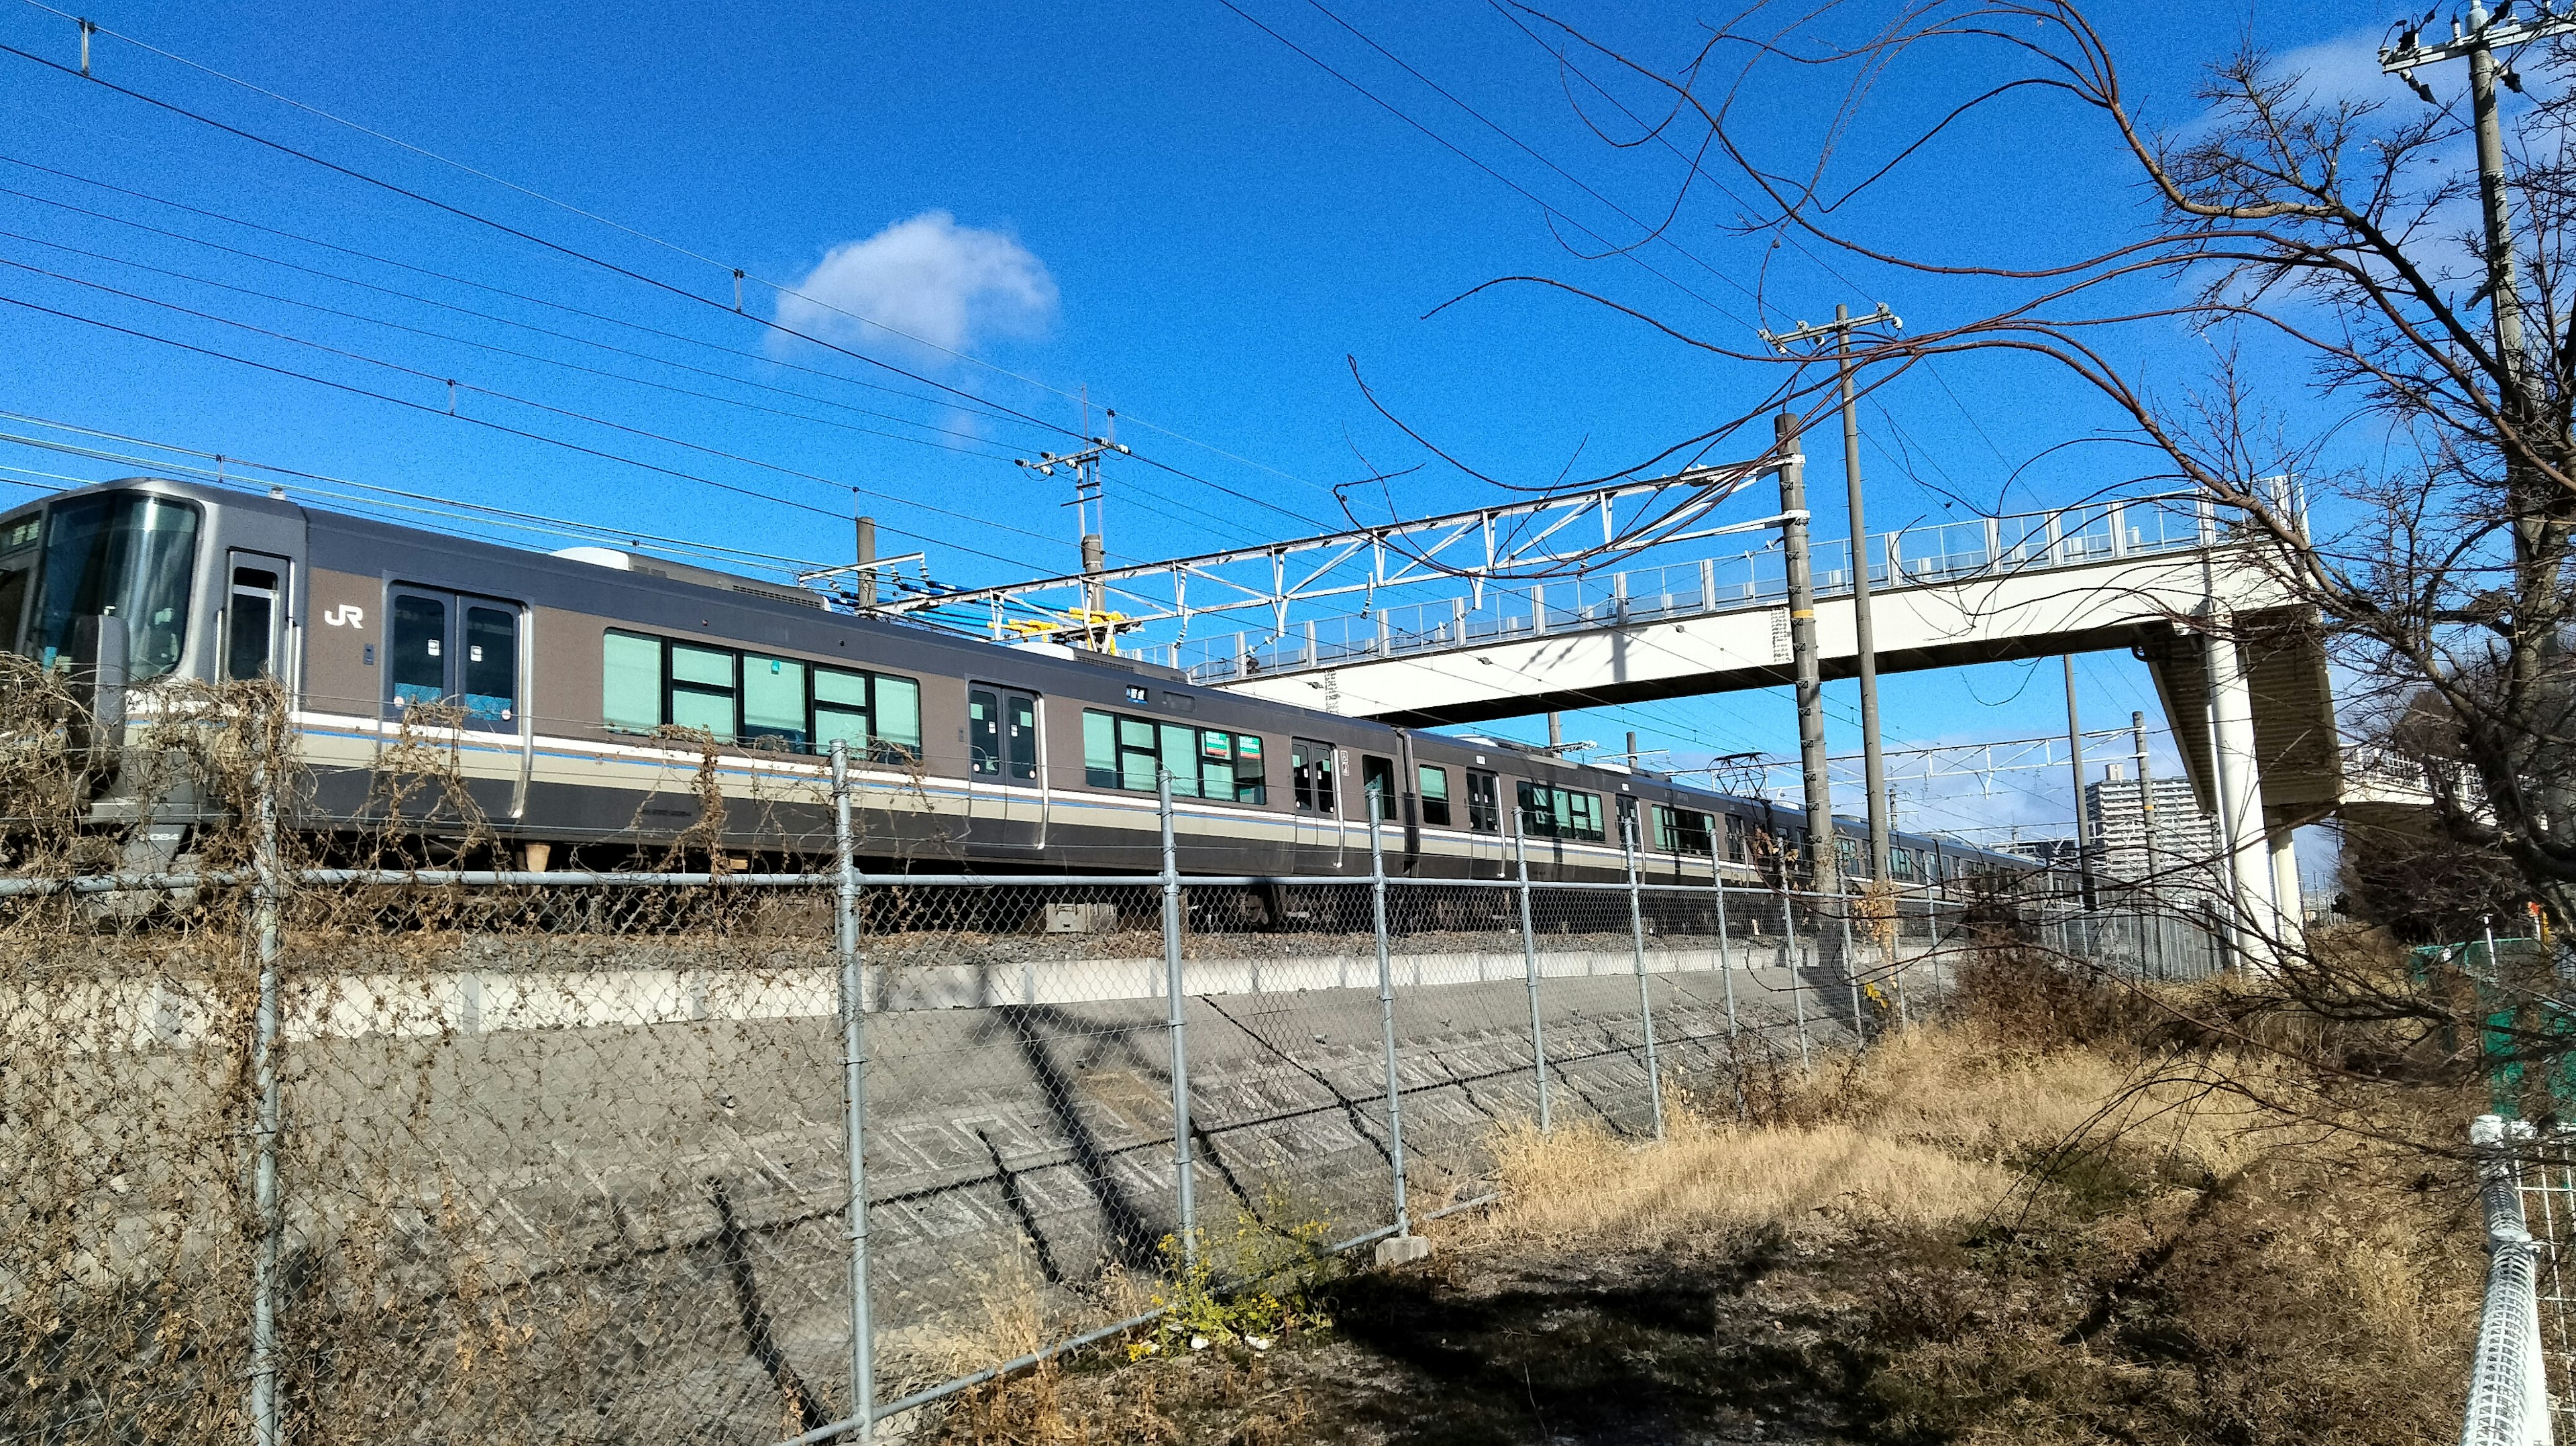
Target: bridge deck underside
x,y
2141,605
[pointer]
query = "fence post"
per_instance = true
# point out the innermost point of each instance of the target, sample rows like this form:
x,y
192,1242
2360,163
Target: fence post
x,y
1386,1011
1851,978
1725,963
1797,973
854,1097
267,1417
1529,967
1637,948
1183,1183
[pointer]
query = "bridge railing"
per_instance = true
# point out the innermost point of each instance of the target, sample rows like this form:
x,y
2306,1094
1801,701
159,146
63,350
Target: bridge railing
x,y
1918,556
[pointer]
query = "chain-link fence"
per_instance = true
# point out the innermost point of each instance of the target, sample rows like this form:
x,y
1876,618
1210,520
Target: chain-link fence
x,y
321,1134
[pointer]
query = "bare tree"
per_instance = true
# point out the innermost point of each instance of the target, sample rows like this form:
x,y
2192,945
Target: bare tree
x,y
2346,234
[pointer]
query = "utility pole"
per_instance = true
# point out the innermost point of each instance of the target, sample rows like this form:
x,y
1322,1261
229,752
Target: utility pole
x,y
1824,863
1874,772
2075,767
2146,795
1090,515
2487,33
865,554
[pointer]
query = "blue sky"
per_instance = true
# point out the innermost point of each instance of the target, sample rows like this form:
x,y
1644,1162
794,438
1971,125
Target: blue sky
x,y
1160,204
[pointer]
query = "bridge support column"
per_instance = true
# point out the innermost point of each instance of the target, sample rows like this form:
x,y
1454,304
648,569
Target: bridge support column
x,y
2240,785
2285,886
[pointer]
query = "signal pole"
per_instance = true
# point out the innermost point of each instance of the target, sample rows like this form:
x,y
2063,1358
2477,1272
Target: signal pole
x,y
1873,767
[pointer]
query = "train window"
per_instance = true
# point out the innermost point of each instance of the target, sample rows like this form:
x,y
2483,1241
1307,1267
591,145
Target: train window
x,y
1123,752
645,682
1250,786
894,713
1140,762
1181,753
491,663
630,682
1484,807
1020,735
1216,764
1581,814
1377,780
17,566
1847,855
1900,863
419,650
1432,782
702,690
1681,831
840,709
1311,764
250,623
983,733
773,701
1560,813
120,555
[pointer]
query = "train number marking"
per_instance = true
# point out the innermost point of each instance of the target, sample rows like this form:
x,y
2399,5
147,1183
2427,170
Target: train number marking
x,y
345,616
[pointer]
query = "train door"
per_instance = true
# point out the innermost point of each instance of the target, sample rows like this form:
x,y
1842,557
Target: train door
x,y
1006,786
255,627
1314,772
1486,844
461,655
1377,782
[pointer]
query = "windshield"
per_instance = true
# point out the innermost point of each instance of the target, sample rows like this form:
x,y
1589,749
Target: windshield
x,y
17,569
123,555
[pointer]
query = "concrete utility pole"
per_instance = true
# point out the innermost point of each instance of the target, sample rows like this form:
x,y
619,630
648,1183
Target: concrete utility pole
x,y
2075,768
2146,794
1824,863
1090,514
1881,826
2485,35
867,553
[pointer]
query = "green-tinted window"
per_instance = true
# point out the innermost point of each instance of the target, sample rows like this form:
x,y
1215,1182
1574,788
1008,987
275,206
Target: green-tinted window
x,y
1580,814
1249,784
898,715
773,700
1432,783
1099,749
1138,760
702,689
630,682
1180,752
1216,764
840,710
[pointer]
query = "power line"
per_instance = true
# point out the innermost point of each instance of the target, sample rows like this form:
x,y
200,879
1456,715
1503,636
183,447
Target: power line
x,y
238,471
644,236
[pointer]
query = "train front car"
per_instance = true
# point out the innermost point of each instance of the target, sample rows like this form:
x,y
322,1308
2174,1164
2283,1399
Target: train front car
x,y
121,590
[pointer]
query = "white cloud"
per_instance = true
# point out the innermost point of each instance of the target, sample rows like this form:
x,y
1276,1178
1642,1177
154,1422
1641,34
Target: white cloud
x,y
928,277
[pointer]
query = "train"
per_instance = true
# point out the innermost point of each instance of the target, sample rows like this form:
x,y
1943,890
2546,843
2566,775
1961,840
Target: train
x,y
602,705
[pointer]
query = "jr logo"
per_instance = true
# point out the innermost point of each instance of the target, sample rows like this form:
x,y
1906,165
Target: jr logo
x,y
345,616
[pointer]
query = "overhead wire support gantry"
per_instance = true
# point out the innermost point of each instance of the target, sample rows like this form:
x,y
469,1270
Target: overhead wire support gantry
x,y
1464,553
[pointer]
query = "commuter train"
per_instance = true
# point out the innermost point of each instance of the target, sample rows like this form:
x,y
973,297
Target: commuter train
x,y
598,701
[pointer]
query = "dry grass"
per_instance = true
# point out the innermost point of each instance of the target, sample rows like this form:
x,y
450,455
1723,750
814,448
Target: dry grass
x,y
2036,1221
1928,1129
